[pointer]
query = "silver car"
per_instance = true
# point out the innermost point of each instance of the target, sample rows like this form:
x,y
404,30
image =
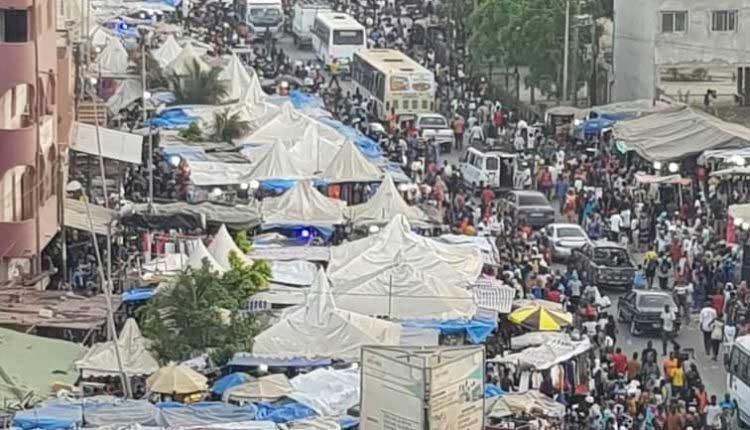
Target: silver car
x,y
564,238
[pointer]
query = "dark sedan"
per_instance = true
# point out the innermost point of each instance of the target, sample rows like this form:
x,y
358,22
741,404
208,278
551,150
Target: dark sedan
x,y
642,309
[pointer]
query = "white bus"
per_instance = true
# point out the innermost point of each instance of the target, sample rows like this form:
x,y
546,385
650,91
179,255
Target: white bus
x,y
337,36
395,81
738,377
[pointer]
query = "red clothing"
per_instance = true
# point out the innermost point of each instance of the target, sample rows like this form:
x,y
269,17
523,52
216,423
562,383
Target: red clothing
x,y
487,196
553,296
717,302
458,126
620,363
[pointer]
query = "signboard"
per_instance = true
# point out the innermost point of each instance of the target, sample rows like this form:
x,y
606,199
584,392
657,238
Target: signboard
x,y
456,397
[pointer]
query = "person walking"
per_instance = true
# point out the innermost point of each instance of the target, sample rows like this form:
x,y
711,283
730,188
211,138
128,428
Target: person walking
x,y
717,335
458,131
335,69
706,320
667,328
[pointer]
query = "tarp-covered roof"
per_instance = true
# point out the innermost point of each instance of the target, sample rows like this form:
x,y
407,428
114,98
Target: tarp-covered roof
x,y
209,173
185,61
399,272
223,245
676,134
76,216
113,60
302,205
31,364
349,165
276,162
115,144
101,359
315,151
235,216
320,329
200,253
289,126
236,78
167,52
544,356
385,204
127,92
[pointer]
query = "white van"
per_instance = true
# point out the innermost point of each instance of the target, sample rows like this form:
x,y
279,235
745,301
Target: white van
x,y
262,16
337,36
304,14
738,377
492,168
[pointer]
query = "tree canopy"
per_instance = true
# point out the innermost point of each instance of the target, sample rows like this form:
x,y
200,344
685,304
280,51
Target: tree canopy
x,y
203,311
199,86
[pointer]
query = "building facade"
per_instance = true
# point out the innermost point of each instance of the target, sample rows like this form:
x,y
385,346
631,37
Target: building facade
x,y
29,132
682,49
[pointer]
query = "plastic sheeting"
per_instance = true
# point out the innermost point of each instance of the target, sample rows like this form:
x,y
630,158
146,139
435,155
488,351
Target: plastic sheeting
x,y
171,119
210,173
330,393
369,147
113,60
385,204
476,331
101,359
547,355
185,61
349,165
236,78
289,127
302,205
319,329
276,162
137,295
402,274
205,413
222,246
243,359
314,150
201,253
240,217
230,381
299,273
283,412
167,52
127,92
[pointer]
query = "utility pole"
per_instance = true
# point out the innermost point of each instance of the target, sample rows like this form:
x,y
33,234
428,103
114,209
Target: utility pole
x,y
574,66
566,51
143,32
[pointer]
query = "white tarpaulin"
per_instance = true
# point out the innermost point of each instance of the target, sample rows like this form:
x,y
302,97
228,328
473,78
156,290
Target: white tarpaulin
x,y
289,127
113,60
208,173
676,134
223,245
200,253
544,356
167,52
101,359
115,144
235,77
318,329
330,393
302,205
298,272
127,92
276,163
185,62
349,165
369,275
314,149
385,204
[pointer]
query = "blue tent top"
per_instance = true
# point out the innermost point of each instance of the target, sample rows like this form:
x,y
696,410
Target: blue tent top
x,y
137,294
226,382
248,360
594,126
281,185
283,412
50,415
171,119
302,100
491,390
367,146
476,331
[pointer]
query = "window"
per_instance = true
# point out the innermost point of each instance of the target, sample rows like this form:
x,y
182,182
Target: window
x,y
673,22
14,26
415,104
424,104
348,37
724,20
491,164
739,364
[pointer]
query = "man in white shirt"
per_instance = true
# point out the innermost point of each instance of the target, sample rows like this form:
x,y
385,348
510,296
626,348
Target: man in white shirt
x,y
706,318
667,328
615,223
713,414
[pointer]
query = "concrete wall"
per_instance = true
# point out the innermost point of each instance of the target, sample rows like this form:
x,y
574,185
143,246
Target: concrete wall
x,y
634,50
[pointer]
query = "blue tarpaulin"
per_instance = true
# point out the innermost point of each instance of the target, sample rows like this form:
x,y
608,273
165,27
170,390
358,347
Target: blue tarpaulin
x,y
594,126
476,331
171,119
204,413
232,380
283,412
302,100
491,390
248,360
281,185
50,415
137,294
367,146
346,422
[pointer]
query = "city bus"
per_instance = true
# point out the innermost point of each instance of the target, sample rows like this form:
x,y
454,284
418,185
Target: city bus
x,y
395,81
738,377
337,36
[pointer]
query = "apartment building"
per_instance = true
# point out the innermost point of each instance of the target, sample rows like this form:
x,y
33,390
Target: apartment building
x,y
30,135
682,49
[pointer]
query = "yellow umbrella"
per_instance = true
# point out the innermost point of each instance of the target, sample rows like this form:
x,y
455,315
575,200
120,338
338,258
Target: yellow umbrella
x,y
540,318
176,379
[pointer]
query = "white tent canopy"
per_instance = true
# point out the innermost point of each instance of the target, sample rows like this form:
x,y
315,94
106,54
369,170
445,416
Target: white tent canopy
x,y
185,61
319,329
289,127
277,163
236,78
223,245
303,205
319,152
397,261
101,359
113,60
349,165
127,92
195,261
167,52
385,204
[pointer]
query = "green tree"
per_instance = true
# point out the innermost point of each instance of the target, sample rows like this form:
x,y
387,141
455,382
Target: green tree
x,y
192,134
203,311
228,127
242,241
199,86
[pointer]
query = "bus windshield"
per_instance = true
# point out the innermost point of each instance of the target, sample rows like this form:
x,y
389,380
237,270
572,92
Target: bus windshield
x,y
348,37
265,13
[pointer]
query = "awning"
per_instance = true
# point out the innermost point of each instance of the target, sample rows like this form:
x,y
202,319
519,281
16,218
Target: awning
x,y
76,216
116,145
644,178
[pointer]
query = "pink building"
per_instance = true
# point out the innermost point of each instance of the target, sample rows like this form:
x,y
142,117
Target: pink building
x,y
31,144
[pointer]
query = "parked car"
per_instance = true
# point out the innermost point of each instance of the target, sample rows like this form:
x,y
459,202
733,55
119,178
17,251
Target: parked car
x,y
642,310
564,238
532,207
434,125
603,264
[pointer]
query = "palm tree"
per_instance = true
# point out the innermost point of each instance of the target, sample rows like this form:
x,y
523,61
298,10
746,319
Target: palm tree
x,y
199,86
228,127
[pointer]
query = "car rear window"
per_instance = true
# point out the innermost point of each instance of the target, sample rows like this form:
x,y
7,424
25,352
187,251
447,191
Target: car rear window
x,y
653,301
610,256
532,200
569,232
433,121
